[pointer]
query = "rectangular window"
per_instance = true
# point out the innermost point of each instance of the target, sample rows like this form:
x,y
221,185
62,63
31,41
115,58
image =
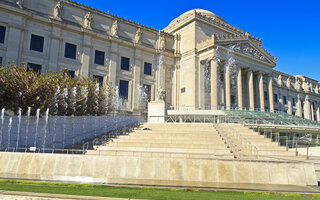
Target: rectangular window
x,y
293,101
70,51
147,68
98,79
0,60
275,98
71,73
2,34
34,67
284,100
123,89
265,95
36,43
125,63
99,57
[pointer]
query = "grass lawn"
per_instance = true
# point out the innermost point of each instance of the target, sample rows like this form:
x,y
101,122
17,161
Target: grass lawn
x,y
142,193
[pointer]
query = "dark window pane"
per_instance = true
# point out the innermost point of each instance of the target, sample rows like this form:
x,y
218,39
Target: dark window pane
x,y
284,100
70,51
148,68
34,67
123,89
99,58
265,95
125,62
275,98
0,60
36,43
2,34
71,73
98,79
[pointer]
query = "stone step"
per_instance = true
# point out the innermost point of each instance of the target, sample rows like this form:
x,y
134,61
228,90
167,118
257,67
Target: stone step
x,y
167,150
158,154
166,145
178,131
172,137
152,134
170,141
277,153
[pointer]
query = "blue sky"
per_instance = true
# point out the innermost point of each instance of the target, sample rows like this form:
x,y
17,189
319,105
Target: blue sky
x,y
290,30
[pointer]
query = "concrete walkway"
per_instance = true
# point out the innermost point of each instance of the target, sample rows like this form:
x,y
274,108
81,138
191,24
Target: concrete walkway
x,y
13,195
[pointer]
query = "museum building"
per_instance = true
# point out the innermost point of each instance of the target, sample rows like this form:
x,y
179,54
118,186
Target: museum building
x,y
199,60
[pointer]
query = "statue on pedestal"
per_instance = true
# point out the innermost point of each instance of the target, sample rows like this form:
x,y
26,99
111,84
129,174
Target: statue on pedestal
x,y
57,11
87,20
114,29
20,3
161,95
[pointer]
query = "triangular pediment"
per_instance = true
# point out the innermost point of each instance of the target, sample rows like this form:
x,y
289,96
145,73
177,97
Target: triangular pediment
x,y
246,47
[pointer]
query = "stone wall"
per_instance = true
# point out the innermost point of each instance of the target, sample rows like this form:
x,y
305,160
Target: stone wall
x,y
153,170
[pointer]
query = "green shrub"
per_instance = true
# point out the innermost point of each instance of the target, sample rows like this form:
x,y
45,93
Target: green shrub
x,y
59,92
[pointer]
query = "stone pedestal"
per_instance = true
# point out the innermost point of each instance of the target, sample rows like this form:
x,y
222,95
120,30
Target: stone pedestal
x,y
156,111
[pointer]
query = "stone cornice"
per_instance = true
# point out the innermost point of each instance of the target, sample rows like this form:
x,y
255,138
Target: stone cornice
x,y
115,17
184,19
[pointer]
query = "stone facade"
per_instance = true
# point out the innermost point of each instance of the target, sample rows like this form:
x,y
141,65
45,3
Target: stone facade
x,y
199,60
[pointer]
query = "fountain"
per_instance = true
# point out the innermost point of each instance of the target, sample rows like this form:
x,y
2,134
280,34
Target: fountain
x,y
9,132
1,130
37,124
45,128
27,128
19,124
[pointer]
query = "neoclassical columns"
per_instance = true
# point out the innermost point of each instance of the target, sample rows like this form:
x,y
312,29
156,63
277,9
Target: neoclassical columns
x,y
261,91
251,89
227,85
307,113
214,83
318,111
239,84
299,108
270,90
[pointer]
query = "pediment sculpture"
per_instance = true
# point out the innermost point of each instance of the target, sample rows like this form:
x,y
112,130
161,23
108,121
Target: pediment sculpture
x,y
247,49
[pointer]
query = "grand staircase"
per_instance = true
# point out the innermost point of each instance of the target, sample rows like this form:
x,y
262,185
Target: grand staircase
x,y
193,141
168,140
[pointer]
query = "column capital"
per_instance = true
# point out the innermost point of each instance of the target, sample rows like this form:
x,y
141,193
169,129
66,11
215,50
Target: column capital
x,y
215,59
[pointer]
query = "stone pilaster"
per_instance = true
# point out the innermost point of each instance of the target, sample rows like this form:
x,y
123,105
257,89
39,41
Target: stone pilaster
x,y
54,49
261,92
13,44
85,57
136,81
227,85
214,83
289,100
251,89
239,85
113,64
270,90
